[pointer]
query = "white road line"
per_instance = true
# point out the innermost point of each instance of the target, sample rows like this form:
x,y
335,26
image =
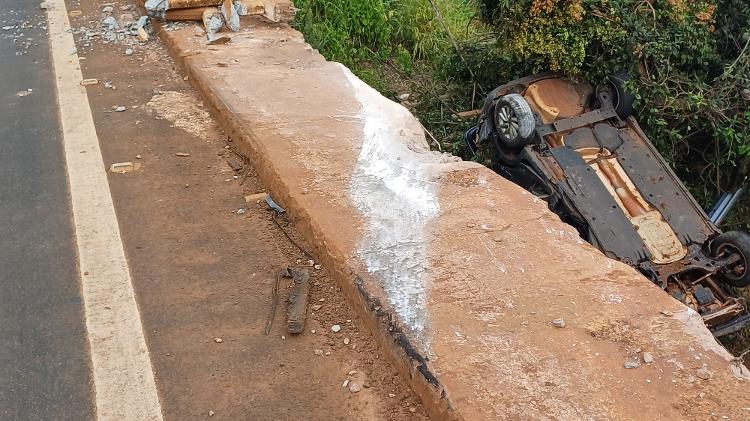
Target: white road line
x,y
123,377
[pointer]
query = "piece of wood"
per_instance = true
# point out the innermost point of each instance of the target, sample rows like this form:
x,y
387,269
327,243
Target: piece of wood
x,y
193,13
186,4
251,198
296,311
469,114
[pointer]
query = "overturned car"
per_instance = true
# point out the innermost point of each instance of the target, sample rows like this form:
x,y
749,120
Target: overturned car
x,y
579,148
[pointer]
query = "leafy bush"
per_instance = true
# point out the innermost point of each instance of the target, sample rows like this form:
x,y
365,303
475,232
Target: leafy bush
x,y
688,60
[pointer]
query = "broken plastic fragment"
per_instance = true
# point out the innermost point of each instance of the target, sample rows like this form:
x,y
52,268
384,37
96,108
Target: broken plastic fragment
x,y
273,204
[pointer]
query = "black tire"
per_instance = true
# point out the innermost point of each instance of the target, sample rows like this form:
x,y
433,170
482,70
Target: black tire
x,y
514,121
623,100
734,242
505,156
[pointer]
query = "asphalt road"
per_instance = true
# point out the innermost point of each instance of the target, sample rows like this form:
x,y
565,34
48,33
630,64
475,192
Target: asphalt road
x,y
44,364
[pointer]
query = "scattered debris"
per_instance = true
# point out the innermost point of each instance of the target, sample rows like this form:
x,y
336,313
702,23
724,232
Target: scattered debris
x,y
318,352
297,309
648,357
120,109
182,154
632,364
559,322
142,35
403,97
704,373
218,340
110,23
274,304
88,82
335,328
123,167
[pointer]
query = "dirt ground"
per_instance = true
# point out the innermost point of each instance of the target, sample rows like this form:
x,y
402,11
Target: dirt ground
x,y
204,262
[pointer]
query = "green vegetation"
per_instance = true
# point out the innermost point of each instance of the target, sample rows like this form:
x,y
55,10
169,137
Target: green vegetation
x,y
689,62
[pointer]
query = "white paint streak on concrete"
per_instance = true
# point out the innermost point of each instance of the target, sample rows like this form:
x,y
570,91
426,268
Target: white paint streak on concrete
x,y
122,373
390,189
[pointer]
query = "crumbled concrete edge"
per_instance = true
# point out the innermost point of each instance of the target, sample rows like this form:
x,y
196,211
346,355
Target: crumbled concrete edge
x,y
693,326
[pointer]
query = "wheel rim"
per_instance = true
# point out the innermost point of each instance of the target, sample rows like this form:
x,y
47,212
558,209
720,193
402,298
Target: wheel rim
x,y
507,122
739,269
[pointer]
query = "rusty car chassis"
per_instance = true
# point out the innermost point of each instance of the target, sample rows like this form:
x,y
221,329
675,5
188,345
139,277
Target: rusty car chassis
x,y
579,149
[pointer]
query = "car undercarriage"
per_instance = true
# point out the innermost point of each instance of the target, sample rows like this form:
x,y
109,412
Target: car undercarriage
x,y
580,149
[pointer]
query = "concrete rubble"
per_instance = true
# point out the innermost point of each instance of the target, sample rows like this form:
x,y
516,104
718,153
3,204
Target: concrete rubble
x,y
485,301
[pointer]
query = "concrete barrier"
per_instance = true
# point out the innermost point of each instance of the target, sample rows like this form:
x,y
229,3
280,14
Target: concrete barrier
x,y
465,278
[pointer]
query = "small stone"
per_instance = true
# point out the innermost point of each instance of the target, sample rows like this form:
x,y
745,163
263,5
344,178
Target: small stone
x,y
310,263
312,331
355,387
317,267
335,328
412,409
283,337
138,157
403,97
667,313
107,9
211,413
316,307
345,383
704,373
648,357
120,109
327,353
391,395
318,352
110,22
559,322
240,211
321,300
346,341
352,372
128,51
218,340
632,364
183,154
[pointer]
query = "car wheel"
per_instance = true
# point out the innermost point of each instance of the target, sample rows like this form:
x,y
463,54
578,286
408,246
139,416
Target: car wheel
x,y
734,242
514,121
623,100
505,156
